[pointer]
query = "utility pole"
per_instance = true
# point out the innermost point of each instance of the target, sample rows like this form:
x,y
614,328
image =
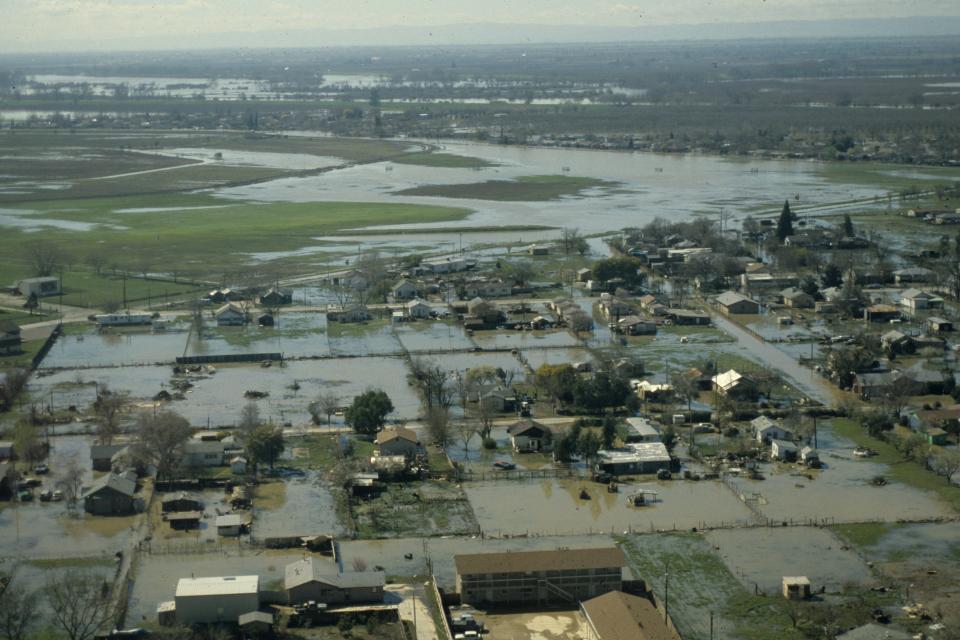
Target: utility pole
x,y
666,594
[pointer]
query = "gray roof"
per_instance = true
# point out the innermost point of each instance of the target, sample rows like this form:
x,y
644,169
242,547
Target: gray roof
x,y
308,570
731,297
783,445
113,481
255,616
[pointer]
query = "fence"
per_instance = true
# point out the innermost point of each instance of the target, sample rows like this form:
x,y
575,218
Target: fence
x,y
523,474
45,349
232,357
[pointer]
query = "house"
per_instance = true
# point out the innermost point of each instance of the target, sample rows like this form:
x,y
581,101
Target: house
x,y
311,580
765,430
613,308
404,290
810,457
6,450
636,458
796,298
498,399
180,502
783,450
528,436
350,313
184,520
938,325
913,274
584,275
916,300
538,249
104,456
933,381
417,309
620,616
276,297
230,315
734,384
398,441
897,342
640,430
110,495
39,287
230,525
797,588
653,392
881,313
637,326
203,453
685,317
220,599
874,385
10,340
732,303
946,420
517,578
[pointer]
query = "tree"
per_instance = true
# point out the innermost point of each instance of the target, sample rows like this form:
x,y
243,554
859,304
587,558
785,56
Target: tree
x,y
97,261
326,404
751,228
848,230
588,444
70,482
438,426
572,242
685,388
478,376
557,380
434,383
160,441
17,612
367,412
265,444
79,604
485,414
785,222
107,411
609,432
249,420
27,443
578,323
946,463
466,431
832,276
625,268
44,257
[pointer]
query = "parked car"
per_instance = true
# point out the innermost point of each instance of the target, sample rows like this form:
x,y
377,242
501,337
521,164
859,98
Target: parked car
x,y
504,465
41,469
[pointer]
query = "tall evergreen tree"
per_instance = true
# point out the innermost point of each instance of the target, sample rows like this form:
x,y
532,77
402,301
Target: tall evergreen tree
x,y
785,223
848,226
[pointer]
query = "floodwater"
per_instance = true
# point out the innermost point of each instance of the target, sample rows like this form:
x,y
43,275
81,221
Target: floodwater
x,y
841,491
763,556
463,361
525,340
24,218
115,347
535,358
553,507
293,334
432,336
649,185
300,507
291,161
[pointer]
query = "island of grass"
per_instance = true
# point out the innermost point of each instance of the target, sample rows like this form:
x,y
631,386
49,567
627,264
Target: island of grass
x,y
443,160
522,189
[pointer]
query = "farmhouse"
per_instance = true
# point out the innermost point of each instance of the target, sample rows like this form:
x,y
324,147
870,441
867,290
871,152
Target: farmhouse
x,y
528,436
276,297
220,599
916,300
404,290
417,309
538,577
230,315
734,384
308,579
732,303
621,616
398,441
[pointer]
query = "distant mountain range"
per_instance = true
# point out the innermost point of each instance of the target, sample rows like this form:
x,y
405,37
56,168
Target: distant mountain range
x,y
503,34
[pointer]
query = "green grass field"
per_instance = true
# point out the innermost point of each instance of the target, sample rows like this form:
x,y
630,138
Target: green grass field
x,y
523,189
443,160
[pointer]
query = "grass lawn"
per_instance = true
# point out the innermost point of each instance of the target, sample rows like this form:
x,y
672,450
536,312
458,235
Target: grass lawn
x,y
443,160
865,534
24,317
890,177
319,452
524,188
202,242
905,471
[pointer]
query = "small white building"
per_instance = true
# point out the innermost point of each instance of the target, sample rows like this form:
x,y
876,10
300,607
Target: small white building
x,y
40,287
641,430
218,599
404,290
783,450
230,525
765,430
238,465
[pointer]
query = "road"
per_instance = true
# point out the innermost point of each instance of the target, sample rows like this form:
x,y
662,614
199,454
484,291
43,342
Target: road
x,y
414,607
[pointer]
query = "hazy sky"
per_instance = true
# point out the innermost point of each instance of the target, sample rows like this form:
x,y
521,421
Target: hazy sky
x,y
27,24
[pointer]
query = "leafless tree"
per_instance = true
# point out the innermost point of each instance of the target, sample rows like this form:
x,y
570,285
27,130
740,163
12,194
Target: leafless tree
x,y
438,426
946,463
70,482
79,603
17,612
466,430
326,404
249,420
44,256
434,383
685,388
107,410
486,414
578,323
160,441
97,261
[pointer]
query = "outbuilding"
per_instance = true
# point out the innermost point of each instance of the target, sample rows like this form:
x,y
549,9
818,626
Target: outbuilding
x,y
230,525
217,599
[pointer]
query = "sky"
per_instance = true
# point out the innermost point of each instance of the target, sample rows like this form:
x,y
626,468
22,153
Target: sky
x,y
33,25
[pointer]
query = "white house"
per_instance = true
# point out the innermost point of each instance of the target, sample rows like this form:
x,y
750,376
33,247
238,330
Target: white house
x,y
783,450
917,300
529,435
41,286
418,309
765,430
203,453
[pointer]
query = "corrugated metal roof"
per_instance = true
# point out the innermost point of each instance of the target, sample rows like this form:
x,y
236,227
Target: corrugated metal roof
x,y
217,586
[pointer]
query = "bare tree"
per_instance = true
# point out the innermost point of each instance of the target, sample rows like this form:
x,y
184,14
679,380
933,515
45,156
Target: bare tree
x,y
466,430
108,409
685,388
80,604
434,383
97,261
70,482
44,257
438,426
486,413
161,440
17,613
946,463
249,420
326,404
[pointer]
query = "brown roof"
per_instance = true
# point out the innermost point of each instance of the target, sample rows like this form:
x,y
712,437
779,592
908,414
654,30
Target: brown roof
x,y
620,616
557,560
522,426
939,415
400,432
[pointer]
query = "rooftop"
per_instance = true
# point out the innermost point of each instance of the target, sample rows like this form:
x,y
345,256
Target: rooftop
x,y
218,586
558,560
397,433
620,616
309,570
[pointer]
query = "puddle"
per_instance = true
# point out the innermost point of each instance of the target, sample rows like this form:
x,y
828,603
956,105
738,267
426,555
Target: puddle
x,y
296,507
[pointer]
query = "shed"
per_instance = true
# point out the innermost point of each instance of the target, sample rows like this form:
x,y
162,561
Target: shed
x,y
939,325
230,525
230,315
783,450
265,320
181,502
183,520
256,623
238,465
216,599
796,587
40,286
810,457
10,340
